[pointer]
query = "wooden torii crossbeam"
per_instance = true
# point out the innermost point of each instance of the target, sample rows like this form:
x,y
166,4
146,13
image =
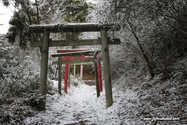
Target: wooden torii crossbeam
x,y
78,53
85,42
45,43
81,53
69,27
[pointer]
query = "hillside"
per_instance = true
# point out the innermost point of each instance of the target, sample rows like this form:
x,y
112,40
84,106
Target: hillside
x,y
148,68
135,100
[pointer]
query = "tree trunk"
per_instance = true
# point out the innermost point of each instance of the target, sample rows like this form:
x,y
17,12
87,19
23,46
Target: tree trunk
x,y
150,68
37,11
27,9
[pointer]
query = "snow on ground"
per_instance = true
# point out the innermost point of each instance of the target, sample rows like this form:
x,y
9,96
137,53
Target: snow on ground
x,y
133,103
80,105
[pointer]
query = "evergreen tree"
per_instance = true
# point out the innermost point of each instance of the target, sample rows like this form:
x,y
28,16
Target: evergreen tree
x,y
70,11
76,11
24,16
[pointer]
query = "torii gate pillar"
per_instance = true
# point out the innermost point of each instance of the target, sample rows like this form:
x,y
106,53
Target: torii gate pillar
x,y
43,72
106,64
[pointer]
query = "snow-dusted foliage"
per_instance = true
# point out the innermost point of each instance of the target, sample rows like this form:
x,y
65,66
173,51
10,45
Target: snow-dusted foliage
x,y
19,71
125,64
153,30
61,11
19,83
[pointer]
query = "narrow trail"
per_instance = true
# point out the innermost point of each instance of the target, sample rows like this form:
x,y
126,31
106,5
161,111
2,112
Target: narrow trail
x,y
79,106
133,102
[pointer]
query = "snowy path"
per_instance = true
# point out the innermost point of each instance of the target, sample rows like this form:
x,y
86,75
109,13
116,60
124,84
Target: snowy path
x,y
80,106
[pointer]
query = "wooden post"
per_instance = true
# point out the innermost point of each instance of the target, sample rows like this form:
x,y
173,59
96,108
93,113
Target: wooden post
x,y
60,75
96,79
106,64
66,78
81,72
74,70
100,77
44,67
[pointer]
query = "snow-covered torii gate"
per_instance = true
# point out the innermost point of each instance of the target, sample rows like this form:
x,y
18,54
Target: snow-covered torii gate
x,y
45,43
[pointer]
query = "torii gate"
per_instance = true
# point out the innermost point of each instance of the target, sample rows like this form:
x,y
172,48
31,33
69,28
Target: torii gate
x,y
78,58
69,60
45,43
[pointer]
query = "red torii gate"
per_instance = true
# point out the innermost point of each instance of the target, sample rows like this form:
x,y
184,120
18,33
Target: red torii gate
x,y
78,54
82,57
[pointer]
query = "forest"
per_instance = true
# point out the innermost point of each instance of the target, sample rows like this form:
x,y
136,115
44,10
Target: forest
x,y
148,68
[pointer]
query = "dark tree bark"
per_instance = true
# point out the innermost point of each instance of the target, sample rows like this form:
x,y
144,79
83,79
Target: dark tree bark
x,y
37,11
150,68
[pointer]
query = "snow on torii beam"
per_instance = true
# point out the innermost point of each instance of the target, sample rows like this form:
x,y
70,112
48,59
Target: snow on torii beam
x,y
76,59
69,27
78,53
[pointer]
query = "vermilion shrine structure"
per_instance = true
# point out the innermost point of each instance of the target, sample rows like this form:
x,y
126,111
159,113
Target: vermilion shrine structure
x,y
74,28
79,60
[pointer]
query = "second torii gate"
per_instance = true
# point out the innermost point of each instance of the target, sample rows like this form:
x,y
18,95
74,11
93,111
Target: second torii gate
x,y
68,60
75,60
45,43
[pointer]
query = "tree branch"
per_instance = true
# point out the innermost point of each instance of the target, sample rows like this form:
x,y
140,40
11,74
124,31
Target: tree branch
x,y
177,28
